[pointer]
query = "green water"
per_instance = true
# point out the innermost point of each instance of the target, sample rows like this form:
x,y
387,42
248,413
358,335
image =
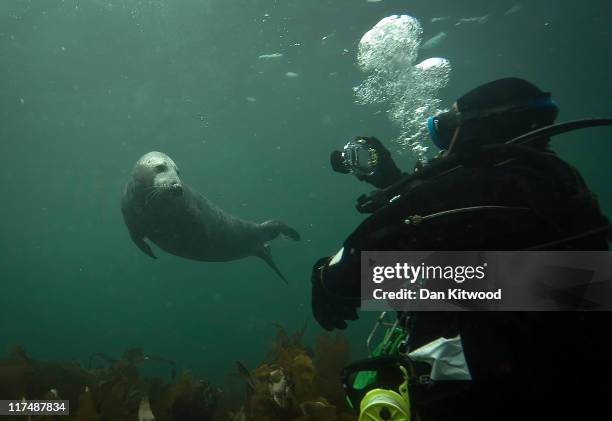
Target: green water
x,y
86,87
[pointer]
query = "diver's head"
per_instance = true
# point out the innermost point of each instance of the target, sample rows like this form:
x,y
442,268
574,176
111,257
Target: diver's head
x,y
493,113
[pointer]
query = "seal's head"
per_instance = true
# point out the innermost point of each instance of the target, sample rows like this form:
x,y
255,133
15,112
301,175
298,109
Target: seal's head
x,y
157,176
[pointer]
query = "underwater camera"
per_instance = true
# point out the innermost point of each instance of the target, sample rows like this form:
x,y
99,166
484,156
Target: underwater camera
x,y
357,157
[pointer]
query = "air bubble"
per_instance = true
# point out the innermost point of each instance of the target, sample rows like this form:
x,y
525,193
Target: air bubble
x,y
388,53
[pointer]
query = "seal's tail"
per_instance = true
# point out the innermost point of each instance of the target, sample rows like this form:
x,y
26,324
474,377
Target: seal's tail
x,y
272,229
266,254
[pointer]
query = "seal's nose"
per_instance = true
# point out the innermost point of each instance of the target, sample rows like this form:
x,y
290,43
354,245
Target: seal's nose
x,y
177,189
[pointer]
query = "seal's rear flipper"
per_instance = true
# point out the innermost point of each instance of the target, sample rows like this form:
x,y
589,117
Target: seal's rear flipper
x,y
266,254
273,228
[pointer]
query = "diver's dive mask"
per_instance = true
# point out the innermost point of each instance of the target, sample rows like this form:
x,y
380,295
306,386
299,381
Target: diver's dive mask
x,y
442,128
491,124
379,388
357,157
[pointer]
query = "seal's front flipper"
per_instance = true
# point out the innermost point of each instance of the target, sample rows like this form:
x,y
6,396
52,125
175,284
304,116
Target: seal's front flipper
x,y
146,249
131,222
266,254
272,229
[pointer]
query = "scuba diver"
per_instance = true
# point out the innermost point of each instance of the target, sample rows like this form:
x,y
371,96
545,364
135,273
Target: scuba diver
x,y
471,365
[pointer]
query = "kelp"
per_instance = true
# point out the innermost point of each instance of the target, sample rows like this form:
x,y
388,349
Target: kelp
x,y
130,359
112,391
188,399
294,383
20,376
332,353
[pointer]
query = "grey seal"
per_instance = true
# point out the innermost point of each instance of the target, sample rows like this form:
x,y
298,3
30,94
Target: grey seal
x,y
158,206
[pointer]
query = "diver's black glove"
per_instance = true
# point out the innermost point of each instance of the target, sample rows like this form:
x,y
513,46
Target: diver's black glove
x,y
385,170
328,309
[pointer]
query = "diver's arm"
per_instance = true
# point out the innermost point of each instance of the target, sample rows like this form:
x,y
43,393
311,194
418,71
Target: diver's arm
x,y
524,205
385,171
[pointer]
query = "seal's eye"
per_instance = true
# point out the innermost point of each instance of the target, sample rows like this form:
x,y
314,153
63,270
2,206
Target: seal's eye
x,y
160,167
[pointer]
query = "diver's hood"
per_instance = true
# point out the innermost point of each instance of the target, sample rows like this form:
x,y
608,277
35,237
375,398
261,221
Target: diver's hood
x,y
493,113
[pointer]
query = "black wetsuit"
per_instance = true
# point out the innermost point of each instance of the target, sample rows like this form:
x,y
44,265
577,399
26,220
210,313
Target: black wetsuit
x,y
524,365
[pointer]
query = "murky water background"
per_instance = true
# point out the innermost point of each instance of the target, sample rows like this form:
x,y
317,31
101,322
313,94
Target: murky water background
x,y
86,87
